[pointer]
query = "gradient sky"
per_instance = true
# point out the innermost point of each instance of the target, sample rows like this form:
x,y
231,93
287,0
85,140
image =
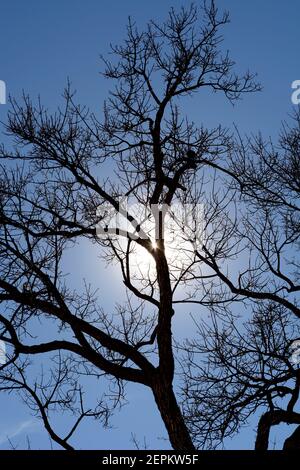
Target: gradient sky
x,y
43,43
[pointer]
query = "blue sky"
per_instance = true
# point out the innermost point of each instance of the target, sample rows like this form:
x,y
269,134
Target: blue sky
x,y
44,43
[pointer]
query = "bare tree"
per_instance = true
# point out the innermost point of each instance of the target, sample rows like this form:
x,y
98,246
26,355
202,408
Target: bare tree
x,y
252,374
264,222
55,190
239,371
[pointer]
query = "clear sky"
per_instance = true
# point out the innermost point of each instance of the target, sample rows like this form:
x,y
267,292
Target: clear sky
x,y
43,43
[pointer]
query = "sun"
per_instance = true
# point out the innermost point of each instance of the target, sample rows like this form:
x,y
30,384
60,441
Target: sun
x,y
154,245
179,226
180,240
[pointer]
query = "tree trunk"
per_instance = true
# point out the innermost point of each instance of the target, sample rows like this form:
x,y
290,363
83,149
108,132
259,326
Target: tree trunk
x,y
162,381
273,418
172,417
263,432
293,442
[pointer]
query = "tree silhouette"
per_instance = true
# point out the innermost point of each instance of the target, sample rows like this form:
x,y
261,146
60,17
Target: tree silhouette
x,y
250,371
55,190
237,370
